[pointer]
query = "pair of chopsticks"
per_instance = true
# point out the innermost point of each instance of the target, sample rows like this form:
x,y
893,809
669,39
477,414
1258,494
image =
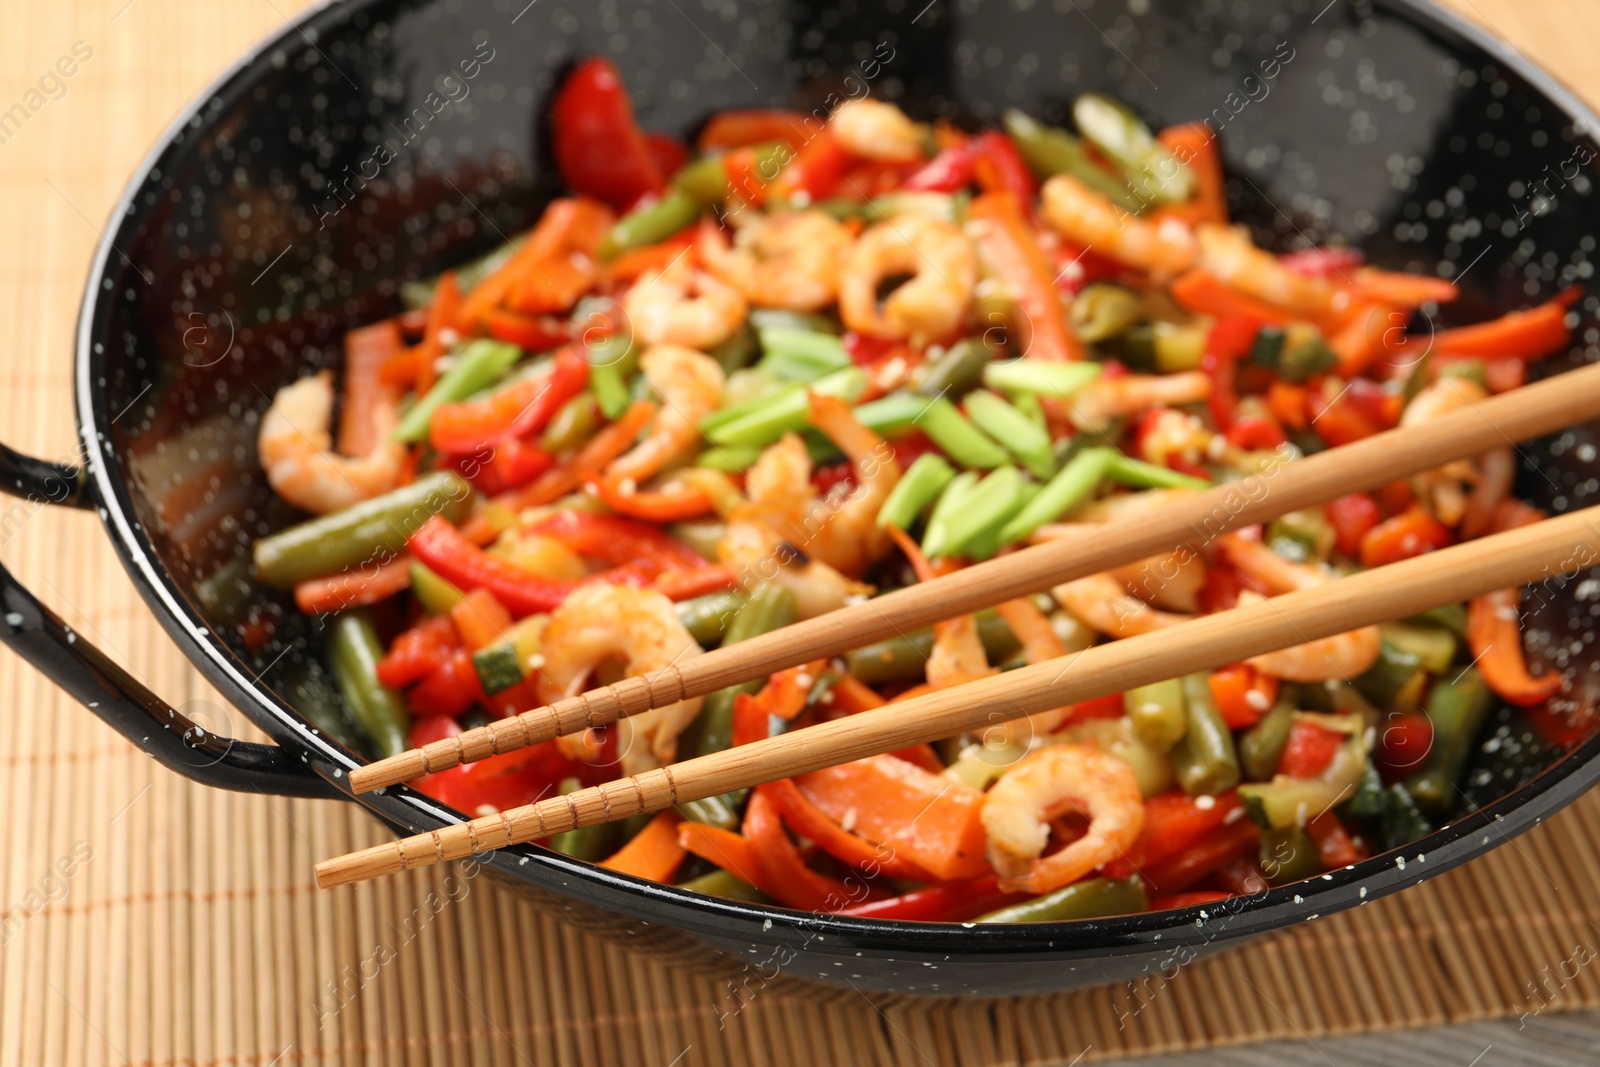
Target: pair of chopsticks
x,y
1401,589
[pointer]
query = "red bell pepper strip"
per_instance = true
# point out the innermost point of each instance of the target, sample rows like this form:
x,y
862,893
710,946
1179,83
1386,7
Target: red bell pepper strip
x,y
617,540
784,871
348,589
521,408
1257,431
947,172
367,350
1006,243
653,852
1188,900
565,224
500,782
450,689
950,902
418,652
600,450
1243,694
686,501
443,550
649,259
928,819
414,367
1410,533
1495,636
1203,855
1352,516
536,333
1335,847
1340,415
1228,342
687,584
744,127
1194,145
998,167
599,148
499,468
669,153
1173,822
1525,335
1404,741
1200,292
1309,750
1412,290
750,722
817,168
810,821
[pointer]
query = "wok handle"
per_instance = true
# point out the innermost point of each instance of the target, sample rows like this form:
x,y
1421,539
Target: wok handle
x,y
174,740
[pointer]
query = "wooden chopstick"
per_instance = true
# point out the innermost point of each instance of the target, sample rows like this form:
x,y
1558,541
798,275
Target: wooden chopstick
x,y
1531,411
1558,546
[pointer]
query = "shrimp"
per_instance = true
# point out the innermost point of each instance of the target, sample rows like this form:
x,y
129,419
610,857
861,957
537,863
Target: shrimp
x,y
1233,259
296,450
1102,603
662,311
760,542
789,260
933,304
1053,781
878,131
1345,655
1039,643
1443,490
1094,222
690,386
599,623
1102,401
849,539
1170,580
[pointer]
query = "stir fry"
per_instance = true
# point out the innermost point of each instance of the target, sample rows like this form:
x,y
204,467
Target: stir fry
x,y
821,356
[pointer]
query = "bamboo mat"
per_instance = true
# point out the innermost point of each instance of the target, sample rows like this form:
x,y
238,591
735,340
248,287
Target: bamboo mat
x,y
147,921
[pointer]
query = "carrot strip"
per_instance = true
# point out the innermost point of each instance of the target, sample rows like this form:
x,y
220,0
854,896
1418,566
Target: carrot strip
x,y
685,585
732,852
1410,289
783,869
366,351
600,450
653,853
1495,636
353,588
810,821
652,505
1195,145
480,619
1007,244
1200,292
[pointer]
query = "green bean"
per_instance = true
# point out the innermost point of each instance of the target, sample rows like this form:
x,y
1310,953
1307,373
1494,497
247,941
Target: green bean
x,y
1457,708
477,366
729,459
958,438
782,319
573,423
1018,434
1392,672
1288,854
1204,761
1262,745
1433,644
707,617
948,505
436,595
801,355
702,535
918,487
592,843
893,414
649,225
368,532
958,370
1141,475
1088,899
737,352
720,883
612,361
785,411
1157,713
1103,311
1049,151
705,179
988,540
1073,484
1452,617
1309,530
1120,135
1059,380
768,607
988,507
900,659
354,651
721,811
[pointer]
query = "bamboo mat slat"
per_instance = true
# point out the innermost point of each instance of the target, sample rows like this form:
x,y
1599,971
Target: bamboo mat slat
x,y
147,921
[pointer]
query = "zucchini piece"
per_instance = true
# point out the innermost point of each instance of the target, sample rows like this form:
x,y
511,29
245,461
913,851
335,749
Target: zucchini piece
x,y
510,659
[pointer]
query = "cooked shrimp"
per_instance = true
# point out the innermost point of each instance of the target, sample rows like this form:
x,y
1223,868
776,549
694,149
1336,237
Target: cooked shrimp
x,y
849,538
1039,643
1103,604
878,131
1170,580
297,450
690,386
1229,254
1102,401
683,306
788,260
765,539
1053,781
933,304
1444,490
600,623
1345,655
1089,219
